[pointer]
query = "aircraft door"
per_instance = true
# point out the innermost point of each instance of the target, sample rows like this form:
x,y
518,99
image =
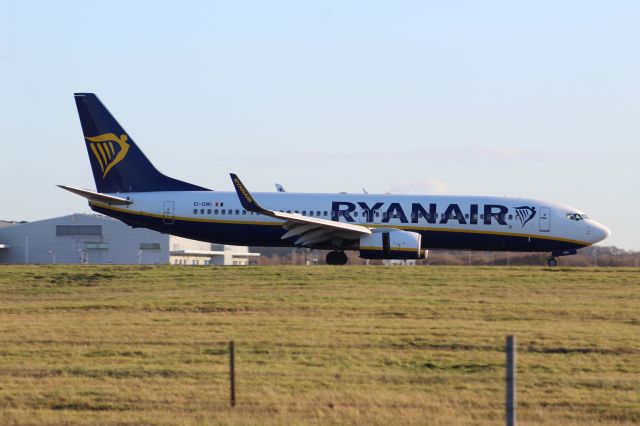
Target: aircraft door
x,y
377,216
167,212
545,219
363,217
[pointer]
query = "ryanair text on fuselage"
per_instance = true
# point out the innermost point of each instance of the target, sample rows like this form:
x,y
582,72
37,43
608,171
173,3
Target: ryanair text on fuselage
x,y
486,214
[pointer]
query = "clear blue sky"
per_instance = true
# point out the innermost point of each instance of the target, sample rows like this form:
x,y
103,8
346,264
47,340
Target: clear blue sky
x,y
499,98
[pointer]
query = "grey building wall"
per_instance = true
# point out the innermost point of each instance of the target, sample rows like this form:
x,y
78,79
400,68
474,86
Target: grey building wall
x,y
82,238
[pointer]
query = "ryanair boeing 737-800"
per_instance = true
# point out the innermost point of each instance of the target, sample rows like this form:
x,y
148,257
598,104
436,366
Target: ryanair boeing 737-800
x,y
131,189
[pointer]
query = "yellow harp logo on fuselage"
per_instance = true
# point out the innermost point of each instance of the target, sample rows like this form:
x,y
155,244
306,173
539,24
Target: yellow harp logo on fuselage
x,y
109,150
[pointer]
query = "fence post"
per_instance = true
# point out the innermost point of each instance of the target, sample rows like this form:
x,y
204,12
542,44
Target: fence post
x,y
511,381
232,374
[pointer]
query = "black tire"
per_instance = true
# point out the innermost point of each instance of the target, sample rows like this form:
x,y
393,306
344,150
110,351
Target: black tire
x,y
336,258
552,262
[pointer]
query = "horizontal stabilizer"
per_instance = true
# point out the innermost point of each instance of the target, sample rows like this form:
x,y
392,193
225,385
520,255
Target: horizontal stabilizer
x,y
96,196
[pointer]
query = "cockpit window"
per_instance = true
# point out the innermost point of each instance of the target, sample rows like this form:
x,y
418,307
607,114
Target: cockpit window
x,y
576,216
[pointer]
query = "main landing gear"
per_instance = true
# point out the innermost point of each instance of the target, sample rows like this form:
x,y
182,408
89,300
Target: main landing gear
x,y
552,262
336,258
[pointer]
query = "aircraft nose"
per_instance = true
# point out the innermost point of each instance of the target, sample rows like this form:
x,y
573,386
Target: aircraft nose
x,y
599,232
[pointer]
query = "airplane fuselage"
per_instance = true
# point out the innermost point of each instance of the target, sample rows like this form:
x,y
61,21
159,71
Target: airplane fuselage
x,y
445,222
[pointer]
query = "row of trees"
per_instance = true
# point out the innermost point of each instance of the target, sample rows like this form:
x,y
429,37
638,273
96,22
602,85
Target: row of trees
x,y
589,256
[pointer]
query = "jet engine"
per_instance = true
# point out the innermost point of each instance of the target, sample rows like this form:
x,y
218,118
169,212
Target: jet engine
x,y
391,244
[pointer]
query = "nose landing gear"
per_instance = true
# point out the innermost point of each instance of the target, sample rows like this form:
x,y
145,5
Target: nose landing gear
x,y
551,260
336,258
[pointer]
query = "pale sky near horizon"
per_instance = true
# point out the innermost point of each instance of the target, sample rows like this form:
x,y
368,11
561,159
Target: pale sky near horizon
x,y
536,100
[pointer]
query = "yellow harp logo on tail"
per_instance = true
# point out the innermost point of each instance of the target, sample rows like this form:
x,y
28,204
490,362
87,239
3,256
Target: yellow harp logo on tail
x,y
109,150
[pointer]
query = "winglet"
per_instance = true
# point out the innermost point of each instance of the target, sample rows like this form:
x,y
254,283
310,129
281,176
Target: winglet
x,y
246,199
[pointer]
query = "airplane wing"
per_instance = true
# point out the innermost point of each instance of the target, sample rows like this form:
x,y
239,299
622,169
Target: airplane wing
x,y
96,196
309,230
279,188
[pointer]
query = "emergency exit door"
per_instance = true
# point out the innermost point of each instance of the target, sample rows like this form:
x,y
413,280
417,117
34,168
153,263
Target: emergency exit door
x,y
167,213
545,219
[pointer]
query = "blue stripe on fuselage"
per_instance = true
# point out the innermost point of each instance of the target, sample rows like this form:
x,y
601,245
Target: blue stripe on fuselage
x,y
270,235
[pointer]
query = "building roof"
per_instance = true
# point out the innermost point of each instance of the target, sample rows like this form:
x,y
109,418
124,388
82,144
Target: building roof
x,y
66,216
210,253
5,223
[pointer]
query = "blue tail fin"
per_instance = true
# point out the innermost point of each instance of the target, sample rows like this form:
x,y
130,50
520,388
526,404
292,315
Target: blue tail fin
x,y
118,164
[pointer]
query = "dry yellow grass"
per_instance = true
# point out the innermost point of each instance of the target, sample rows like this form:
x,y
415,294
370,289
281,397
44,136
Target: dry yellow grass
x,y
317,345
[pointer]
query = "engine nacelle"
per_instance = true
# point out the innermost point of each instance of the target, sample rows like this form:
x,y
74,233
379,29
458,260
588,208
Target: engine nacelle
x,y
391,244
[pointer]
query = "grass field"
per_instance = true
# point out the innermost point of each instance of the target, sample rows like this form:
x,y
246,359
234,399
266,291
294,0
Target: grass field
x,y
317,345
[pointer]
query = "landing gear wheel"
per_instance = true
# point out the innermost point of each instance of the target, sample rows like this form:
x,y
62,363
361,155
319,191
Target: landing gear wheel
x,y
552,262
336,258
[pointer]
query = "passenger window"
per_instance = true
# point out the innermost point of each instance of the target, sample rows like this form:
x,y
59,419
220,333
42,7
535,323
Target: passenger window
x,y
223,211
215,211
201,211
466,216
355,214
237,212
195,211
304,212
318,213
244,212
510,217
325,213
208,211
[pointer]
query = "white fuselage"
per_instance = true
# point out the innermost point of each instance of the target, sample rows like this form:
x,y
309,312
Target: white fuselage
x,y
454,222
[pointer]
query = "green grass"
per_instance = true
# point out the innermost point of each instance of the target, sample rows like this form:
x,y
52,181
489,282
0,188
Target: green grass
x,y
317,345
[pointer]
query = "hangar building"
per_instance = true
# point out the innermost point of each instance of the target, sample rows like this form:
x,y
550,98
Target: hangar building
x,y
96,239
